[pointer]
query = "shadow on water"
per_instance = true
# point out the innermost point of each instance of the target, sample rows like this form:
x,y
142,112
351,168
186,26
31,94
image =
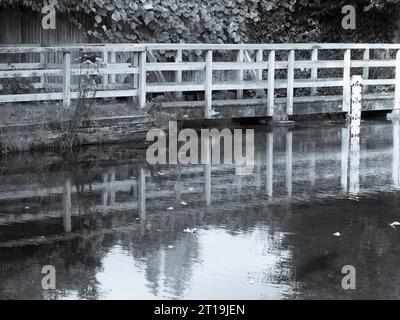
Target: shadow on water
x,y
115,227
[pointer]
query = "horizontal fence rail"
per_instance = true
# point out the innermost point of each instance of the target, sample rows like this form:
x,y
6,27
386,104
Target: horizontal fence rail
x,y
262,72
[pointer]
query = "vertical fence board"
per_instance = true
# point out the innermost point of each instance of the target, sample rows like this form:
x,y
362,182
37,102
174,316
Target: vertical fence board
x,y
271,83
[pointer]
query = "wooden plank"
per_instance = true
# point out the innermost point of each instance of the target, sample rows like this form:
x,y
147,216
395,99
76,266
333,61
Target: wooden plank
x,y
31,97
379,82
241,66
290,81
314,70
31,73
281,47
22,66
173,87
67,79
347,81
176,66
271,83
208,84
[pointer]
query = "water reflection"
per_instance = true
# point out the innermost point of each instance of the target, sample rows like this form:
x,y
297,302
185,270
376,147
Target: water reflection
x,y
114,227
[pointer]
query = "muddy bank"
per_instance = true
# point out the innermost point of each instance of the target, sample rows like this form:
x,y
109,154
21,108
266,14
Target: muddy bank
x,y
34,126
96,131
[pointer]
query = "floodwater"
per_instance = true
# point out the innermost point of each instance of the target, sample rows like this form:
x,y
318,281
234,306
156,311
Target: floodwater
x,y
113,226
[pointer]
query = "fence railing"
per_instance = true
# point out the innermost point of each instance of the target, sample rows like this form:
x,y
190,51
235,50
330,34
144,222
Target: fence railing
x,y
294,72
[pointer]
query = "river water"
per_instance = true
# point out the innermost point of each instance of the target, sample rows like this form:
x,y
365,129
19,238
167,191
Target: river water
x,y
115,227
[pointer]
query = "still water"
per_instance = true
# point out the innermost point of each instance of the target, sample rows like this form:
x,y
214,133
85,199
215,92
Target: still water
x,y
113,226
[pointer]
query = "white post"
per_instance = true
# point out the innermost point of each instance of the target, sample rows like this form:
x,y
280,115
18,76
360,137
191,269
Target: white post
x,y
356,100
290,86
208,84
178,59
113,59
271,83
346,81
366,68
240,58
260,59
396,108
67,79
105,62
142,79
314,71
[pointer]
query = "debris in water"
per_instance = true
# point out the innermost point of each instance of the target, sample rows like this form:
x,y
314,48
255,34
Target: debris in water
x,y
213,113
184,203
170,247
26,208
394,224
188,230
170,208
337,234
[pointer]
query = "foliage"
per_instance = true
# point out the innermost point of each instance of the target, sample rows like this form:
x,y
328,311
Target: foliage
x,y
320,21
87,89
212,21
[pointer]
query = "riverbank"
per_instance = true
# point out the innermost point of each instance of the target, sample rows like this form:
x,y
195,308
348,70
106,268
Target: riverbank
x,y
25,127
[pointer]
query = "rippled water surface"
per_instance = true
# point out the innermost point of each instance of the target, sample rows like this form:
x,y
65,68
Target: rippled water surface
x,y
113,226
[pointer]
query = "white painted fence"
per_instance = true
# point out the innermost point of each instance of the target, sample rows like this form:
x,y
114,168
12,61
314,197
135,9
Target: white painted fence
x,y
256,67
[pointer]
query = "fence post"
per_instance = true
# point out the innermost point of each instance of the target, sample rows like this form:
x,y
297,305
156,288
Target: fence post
x,y
314,71
290,85
396,108
178,59
66,79
240,58
260,58
356,89
346,81
42,58
208,84
271,83
142,79
105,62
135,63
366,68
113,59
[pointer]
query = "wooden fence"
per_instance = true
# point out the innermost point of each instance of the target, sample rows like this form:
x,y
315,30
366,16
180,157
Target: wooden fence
x,y
261,72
